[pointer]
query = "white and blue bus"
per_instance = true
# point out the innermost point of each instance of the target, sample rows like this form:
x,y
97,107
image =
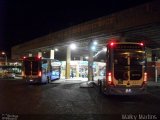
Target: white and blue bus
x,y
40,70
125,72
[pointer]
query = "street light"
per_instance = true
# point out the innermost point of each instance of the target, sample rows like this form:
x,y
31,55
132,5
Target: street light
x,y
3,53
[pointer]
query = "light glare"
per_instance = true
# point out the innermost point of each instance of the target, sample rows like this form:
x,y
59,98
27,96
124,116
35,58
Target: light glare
x,y
3,53
86,57
56,49
73,46
93,48
95,43
104,49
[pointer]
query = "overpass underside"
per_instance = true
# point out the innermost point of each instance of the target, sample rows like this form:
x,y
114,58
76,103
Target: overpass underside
x,y
141,23
138,24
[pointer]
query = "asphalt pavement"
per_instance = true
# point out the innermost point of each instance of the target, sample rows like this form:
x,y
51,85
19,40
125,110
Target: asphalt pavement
x,y
70,100
86,83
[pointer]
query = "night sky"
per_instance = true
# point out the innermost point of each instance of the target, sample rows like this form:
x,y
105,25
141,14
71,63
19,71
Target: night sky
x,y
24,20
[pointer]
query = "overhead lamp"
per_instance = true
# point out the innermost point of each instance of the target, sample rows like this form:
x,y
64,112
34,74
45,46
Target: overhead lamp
x,y
95,43
56,49
73,46
93,48
104,49
86,57
3,53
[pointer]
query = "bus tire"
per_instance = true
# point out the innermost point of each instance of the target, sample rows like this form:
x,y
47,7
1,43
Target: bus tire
x,y
48,80
100,86
98,82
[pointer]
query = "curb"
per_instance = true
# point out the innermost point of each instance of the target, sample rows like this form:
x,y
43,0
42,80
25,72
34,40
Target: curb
x,y
156,85
153,84
88,84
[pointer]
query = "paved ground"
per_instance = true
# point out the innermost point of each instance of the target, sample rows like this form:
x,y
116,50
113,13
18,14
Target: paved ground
x,y
68,100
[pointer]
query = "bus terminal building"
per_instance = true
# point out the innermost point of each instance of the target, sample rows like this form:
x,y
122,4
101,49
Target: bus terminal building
x,y
137,24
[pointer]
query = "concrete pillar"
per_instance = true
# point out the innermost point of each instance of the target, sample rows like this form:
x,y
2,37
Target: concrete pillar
x,y
39,54
68,59
51,54
90,66
149,54
30,55
77,70
81,58
156,55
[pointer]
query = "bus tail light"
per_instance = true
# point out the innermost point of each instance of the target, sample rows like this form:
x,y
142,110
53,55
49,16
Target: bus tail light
x,y
24,57
109,78
38,58
142,44
22,73
145,77
39,74
112,43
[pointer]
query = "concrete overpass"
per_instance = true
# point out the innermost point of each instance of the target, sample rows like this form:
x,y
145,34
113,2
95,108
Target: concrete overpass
x,y
141,23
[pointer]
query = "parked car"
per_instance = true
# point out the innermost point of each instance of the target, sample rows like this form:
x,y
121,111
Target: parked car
x,y
9,75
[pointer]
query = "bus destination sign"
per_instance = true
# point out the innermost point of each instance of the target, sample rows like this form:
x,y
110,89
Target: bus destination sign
x,y
128,46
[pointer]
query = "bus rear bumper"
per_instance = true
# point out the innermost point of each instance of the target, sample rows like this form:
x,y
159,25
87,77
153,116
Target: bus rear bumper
x,y
33,81
126,90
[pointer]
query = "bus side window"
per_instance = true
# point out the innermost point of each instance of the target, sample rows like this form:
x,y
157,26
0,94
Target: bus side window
x,y
44,66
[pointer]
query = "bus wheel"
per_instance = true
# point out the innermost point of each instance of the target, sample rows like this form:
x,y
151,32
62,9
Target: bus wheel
x,y
98,82
100,85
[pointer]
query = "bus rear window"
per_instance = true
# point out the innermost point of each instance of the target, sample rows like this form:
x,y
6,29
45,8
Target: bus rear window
x,y
27,66
128,58
31,67
35,67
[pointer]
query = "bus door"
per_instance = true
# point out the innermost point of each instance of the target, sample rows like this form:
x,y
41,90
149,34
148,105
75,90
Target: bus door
x,y
55,70
137,68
